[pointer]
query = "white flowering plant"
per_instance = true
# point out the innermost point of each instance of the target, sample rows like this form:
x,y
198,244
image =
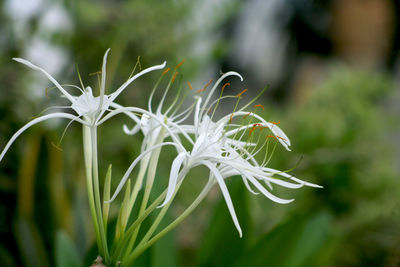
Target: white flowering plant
x,y
227,147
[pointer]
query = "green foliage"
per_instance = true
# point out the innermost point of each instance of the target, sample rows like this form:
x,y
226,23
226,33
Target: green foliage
x,y
221,244
66,253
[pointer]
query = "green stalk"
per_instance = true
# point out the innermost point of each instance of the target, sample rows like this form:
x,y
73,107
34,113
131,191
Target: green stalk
x,y
125,238
87,151
149,185
144,163
142,247
103,238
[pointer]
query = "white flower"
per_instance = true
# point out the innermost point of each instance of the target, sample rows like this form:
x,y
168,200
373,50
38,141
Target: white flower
x,y
89,109
225,155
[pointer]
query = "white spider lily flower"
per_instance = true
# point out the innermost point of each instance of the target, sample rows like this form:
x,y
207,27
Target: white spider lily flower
x,y
150,126
89,108
225,155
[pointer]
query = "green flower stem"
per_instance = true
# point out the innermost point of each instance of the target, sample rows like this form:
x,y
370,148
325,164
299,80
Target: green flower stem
x,y
125,238
149,185
103,238
141,248
161,214
138,185
87,151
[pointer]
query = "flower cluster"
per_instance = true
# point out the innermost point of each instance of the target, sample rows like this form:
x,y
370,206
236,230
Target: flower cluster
x,y
228,146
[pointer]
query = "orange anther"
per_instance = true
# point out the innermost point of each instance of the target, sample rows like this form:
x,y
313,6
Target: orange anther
x,y
165,71
241,93
190,85
207,84
273,136
281,138
174,77
245,116
259,106
56,146
275,122
180,64
225,85
230,118
205,87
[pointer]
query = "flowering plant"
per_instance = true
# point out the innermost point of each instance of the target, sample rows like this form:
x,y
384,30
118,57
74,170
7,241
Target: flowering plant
x,y
227,147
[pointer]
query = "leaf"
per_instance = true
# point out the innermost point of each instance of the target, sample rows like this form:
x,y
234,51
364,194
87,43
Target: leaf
x,y
30,243
221,244
164,250
291,244
66,252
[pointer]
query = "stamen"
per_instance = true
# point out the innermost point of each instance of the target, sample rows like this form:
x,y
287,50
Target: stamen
x,y
180,64
241,93
134,68
190,85
259,105
56,146
138,62
274,122
79,76
205,86
98,73
245,116
225,85
275,137
174,77
95,73
166,71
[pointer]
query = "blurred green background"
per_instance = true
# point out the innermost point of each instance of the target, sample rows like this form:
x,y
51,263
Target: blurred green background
x,y
333,69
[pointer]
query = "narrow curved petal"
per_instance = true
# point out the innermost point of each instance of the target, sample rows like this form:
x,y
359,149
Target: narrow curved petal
x,y
267,193
291,177
145,112
103,79
173,177
35,121
225,193
32,66
122,88
281,136
132,166
197,114
131,131
230,73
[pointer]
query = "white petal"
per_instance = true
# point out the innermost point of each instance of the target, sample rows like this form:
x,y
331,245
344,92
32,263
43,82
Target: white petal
x,y
225,193
173,177
122,88
132,166
29,64
35,121
267,193
230,73
284,174
103,79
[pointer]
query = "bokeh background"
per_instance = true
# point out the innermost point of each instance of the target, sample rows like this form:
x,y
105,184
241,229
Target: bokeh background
x,y
333,70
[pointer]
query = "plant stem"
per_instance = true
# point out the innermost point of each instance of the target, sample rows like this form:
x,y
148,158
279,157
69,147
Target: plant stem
x,y
87,151
103,238
141,248
149,185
